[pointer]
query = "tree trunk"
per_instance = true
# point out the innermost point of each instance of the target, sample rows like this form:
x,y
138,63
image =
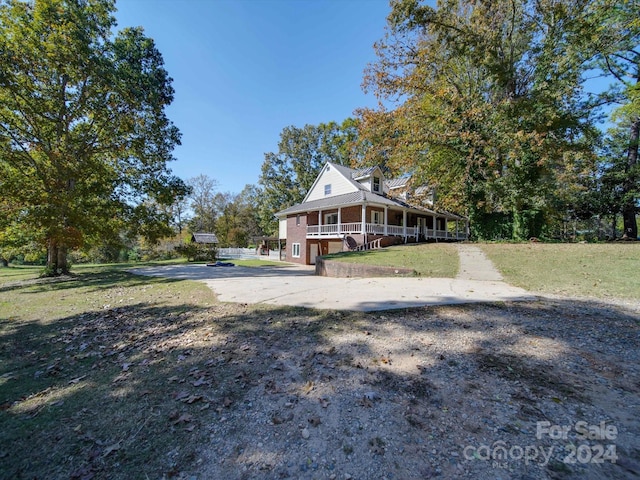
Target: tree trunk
x,y
4,262
63,266
630,185
56,259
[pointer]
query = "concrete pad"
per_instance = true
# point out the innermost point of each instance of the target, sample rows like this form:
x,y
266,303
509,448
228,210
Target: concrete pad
x,y
298,286
474,265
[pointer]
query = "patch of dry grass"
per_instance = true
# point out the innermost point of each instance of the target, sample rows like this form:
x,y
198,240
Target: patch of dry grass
x,y
91,368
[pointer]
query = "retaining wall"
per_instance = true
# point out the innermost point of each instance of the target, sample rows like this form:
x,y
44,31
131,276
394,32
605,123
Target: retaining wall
x,y
332,268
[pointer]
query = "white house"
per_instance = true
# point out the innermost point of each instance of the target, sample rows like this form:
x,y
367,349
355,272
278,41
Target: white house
x,y
346,209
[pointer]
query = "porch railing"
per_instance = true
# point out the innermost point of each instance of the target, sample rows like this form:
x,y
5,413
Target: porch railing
x,y
334,230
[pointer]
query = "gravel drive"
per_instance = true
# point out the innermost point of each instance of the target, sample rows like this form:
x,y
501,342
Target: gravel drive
x,y
548,389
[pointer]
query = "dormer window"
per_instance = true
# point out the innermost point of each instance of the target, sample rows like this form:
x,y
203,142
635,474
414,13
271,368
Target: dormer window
x,y
327,189
376,184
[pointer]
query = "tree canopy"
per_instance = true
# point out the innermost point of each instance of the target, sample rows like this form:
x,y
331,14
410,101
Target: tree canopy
x,y
288,174
618,56
84,138
487,101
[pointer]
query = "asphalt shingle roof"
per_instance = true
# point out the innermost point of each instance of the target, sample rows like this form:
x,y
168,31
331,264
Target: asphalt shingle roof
x,y
361,196
397,182
204,238
354,198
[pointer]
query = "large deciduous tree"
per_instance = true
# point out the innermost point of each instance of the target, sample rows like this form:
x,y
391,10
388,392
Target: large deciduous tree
x,y
616,27
84,139
486,104
203,203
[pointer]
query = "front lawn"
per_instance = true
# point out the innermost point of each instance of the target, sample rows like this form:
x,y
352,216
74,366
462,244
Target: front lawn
x,y
588,270
427,259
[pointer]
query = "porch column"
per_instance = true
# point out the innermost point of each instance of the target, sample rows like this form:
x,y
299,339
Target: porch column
x,y
404,224
319,222
386,219
339,219
364,218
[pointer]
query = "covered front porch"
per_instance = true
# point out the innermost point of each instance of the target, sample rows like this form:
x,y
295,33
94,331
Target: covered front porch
x,y
408,223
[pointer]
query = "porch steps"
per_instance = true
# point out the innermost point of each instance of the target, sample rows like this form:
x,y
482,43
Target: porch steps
x,y
374,245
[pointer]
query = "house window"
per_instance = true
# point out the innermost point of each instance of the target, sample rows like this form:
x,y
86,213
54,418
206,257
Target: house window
x,y
327,189
376,217
297,220
295,250
331,219
376,184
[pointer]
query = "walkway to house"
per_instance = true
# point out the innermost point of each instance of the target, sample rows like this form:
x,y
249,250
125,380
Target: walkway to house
x,y
298,286
474,265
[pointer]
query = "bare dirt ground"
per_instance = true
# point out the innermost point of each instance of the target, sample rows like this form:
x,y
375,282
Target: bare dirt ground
x,y
546,389
537,390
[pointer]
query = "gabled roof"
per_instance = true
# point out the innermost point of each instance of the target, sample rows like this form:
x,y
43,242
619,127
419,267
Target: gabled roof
x,y
355,198
360,196
347,173
204,238
343,171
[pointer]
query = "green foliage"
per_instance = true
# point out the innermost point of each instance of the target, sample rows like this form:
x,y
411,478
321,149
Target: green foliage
x,y
302,152
487,106
198,252
490,226
239,223
618,56
232,217
84,138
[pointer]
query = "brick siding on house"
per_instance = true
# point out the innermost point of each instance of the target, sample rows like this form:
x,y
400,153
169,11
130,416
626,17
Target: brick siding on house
x,y
312,218
412,220
351,214
297,234
348,215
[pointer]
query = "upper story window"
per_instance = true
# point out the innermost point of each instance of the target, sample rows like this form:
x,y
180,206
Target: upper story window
x,y
297,220
376,184
327,189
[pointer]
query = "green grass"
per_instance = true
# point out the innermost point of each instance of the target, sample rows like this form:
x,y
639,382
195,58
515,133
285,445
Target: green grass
x,y
18,273
429,260
588,270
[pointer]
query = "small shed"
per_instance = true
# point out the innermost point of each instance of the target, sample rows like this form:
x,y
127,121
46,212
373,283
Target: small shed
x,y
204,238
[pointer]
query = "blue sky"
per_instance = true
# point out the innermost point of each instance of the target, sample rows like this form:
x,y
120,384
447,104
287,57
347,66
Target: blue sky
x,y
245,69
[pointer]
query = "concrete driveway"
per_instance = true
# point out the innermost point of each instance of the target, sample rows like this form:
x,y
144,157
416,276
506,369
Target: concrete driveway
x,y
298,286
